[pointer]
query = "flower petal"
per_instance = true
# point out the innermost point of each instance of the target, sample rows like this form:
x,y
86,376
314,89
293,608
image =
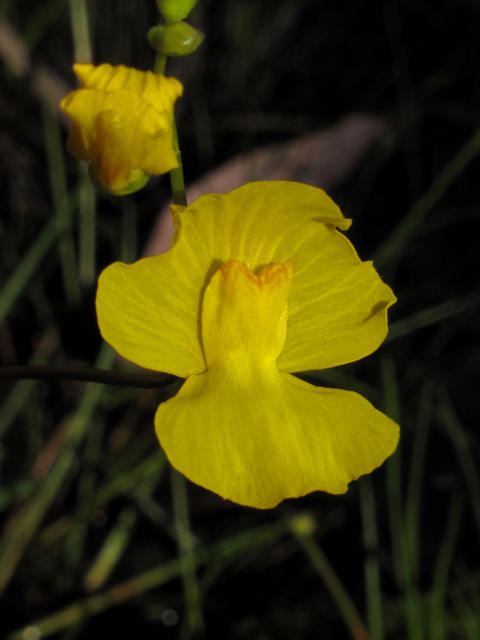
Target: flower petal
x,y
272,437
120,132
148,312
337,305
156,89
250,433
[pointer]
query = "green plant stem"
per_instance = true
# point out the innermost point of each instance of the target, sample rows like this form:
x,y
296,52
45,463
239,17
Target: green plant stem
x,y
336,589
227,549
112,549
398,528
461,443
80,31
373,591
414,492
58,187
176,175
160,63
26,522
87,219
185,540
39,249
444,561
87,238
87,374
18,396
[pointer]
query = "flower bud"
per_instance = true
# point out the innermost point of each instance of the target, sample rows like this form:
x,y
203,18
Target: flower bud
x,y
175,10
122,123
177,39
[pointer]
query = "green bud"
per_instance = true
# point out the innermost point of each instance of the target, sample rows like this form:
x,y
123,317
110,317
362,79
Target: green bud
x,y
175,10
176,39
302,524
138,180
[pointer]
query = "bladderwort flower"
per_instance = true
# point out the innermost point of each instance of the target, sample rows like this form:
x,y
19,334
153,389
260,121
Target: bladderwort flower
x,y
258,284
122,124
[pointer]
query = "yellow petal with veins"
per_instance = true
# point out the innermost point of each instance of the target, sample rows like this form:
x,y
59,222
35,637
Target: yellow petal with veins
x,y
148,312
338,304
255,435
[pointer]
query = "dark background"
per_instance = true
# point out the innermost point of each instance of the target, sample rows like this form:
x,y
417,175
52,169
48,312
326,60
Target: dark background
x,y
266,73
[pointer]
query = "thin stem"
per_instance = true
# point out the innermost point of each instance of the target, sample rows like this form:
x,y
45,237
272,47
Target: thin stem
x,y
87,239
186,546
336,589
176,175
372,569
160,62
58,187
32,259
87,374
81,31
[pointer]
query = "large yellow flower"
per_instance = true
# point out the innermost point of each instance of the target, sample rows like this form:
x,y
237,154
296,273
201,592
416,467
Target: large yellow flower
x,y
258,284
122,123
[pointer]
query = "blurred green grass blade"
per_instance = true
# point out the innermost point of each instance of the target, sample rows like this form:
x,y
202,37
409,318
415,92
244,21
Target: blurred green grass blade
x,y
39,249
227,549
87,228
123,483
194,623
87,215
404,577
433,315
111,551
331,581
19,491
81,31
414,489
394,490
412,220
442,568
18,396
465,612
373,592
44,19
127,483
461,444
27,521
58,187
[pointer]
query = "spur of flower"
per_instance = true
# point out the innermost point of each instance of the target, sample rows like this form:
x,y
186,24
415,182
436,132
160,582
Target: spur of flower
x,y
122,124
258,284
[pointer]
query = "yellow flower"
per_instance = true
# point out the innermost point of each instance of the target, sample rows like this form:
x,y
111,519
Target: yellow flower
x,y
122,123
258,284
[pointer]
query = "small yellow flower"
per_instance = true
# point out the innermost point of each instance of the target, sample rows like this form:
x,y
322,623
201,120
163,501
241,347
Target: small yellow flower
x,y
258,285
122,123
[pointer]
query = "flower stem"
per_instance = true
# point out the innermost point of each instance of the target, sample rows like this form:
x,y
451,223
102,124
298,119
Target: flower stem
x,y
160,62
86,374
176,175
87,239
